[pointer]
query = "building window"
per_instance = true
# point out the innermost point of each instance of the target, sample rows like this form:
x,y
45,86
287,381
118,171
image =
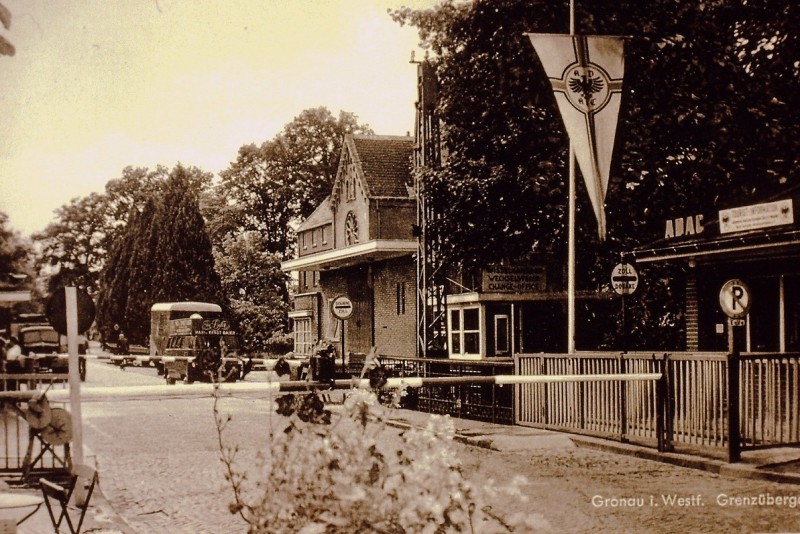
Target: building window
x,y
324,238
303,240
351,228
400,298
350,184
465,332
502,343
315,279
313,238
303,342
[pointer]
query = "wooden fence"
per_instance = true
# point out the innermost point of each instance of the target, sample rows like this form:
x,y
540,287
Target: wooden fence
x,y
699,390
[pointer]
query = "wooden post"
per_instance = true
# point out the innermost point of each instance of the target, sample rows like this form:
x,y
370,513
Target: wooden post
x,y
71,299
623,405
734,431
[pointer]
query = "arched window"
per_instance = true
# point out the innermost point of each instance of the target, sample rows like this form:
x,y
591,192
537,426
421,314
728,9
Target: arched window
x,y
351,228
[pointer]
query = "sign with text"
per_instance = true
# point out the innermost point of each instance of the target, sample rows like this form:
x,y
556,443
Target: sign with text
x,y
756,216
511,280
342,307
624,279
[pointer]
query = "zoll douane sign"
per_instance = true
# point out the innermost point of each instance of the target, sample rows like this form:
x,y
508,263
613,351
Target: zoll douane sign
x,y
624,279
342,307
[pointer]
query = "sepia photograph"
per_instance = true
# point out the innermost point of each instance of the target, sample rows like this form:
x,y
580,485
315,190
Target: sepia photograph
x,y
399,266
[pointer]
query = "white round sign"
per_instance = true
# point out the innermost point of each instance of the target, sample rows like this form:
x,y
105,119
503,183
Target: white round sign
x,y
734,298
342,307
624,279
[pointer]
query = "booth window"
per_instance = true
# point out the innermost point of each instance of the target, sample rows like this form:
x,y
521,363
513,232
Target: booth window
x,y
501,335
465,332
302,337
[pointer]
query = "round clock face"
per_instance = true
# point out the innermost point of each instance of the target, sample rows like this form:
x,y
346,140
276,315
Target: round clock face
x,y
351,229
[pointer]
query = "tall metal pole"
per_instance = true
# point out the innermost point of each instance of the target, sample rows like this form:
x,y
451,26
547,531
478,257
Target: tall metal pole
x,y
571,239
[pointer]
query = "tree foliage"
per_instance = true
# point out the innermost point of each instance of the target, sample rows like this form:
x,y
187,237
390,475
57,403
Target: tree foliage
x,y
73,247
257,288
706,121
163,254
15,252
274,184
6,48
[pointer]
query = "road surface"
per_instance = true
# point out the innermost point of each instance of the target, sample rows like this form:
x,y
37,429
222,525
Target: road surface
x,y
160,468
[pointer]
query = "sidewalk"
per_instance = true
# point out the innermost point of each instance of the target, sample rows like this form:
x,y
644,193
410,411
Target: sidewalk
x,y
775,465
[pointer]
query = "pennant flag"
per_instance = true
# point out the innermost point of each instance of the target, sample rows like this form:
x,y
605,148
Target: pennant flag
x,y
586,74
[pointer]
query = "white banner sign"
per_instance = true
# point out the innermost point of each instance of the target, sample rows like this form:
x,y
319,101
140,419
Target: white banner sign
x,y
756,216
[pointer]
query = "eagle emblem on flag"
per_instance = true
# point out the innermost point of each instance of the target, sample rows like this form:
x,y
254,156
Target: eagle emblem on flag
x,y
586,73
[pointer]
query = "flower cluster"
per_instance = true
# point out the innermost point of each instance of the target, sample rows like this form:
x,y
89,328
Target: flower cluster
x,y
358,474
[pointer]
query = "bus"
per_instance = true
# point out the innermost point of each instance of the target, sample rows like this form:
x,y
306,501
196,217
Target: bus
x,y
189,339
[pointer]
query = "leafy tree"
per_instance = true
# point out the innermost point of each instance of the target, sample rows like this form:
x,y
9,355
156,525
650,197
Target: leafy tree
x,y
15,251
257,288
16,265
163,253
130,192
271,185
706,121
6,48
73,247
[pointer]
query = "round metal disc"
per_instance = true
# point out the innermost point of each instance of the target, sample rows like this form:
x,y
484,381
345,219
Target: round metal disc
x,y
59,431
39,414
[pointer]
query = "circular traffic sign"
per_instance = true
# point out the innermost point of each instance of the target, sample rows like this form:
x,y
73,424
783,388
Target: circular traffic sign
x,y
624,279
342,307
57,311
734,298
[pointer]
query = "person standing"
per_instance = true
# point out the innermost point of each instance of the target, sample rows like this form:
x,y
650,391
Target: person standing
x,y
13,355
13,361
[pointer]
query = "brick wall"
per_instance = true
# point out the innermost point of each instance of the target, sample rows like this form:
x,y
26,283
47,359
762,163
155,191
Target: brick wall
x,y
395,333
691,313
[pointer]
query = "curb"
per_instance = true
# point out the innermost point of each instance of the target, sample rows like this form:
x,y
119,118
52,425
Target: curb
x,y
717,467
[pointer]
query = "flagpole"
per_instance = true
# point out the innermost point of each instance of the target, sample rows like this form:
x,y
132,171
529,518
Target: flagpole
x,y
571,238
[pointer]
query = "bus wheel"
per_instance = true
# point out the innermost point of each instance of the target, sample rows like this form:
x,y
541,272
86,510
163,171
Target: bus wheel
x,y
170,380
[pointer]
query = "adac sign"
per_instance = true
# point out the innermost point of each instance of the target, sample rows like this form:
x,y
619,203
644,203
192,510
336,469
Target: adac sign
x,y
684,226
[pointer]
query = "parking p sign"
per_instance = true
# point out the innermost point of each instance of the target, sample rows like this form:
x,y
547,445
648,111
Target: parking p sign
x,y
624,279
734,298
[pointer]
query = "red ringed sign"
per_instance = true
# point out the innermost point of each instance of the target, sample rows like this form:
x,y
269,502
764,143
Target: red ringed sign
x,y
342,307
624,279
734,299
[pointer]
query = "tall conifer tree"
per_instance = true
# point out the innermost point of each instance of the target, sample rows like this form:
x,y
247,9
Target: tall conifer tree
x,y
185,266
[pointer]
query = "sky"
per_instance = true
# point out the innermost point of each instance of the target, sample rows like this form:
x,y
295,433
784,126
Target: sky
x,y
99,85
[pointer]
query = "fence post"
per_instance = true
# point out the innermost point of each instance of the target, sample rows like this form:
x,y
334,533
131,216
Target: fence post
x,y
661,404
623,404
734,432
669,403
664,401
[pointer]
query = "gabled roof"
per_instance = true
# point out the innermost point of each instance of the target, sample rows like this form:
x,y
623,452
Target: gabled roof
x,y
384,163
322,215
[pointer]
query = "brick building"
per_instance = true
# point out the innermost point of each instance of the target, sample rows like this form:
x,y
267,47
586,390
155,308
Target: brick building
x,y
359,244
756,244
